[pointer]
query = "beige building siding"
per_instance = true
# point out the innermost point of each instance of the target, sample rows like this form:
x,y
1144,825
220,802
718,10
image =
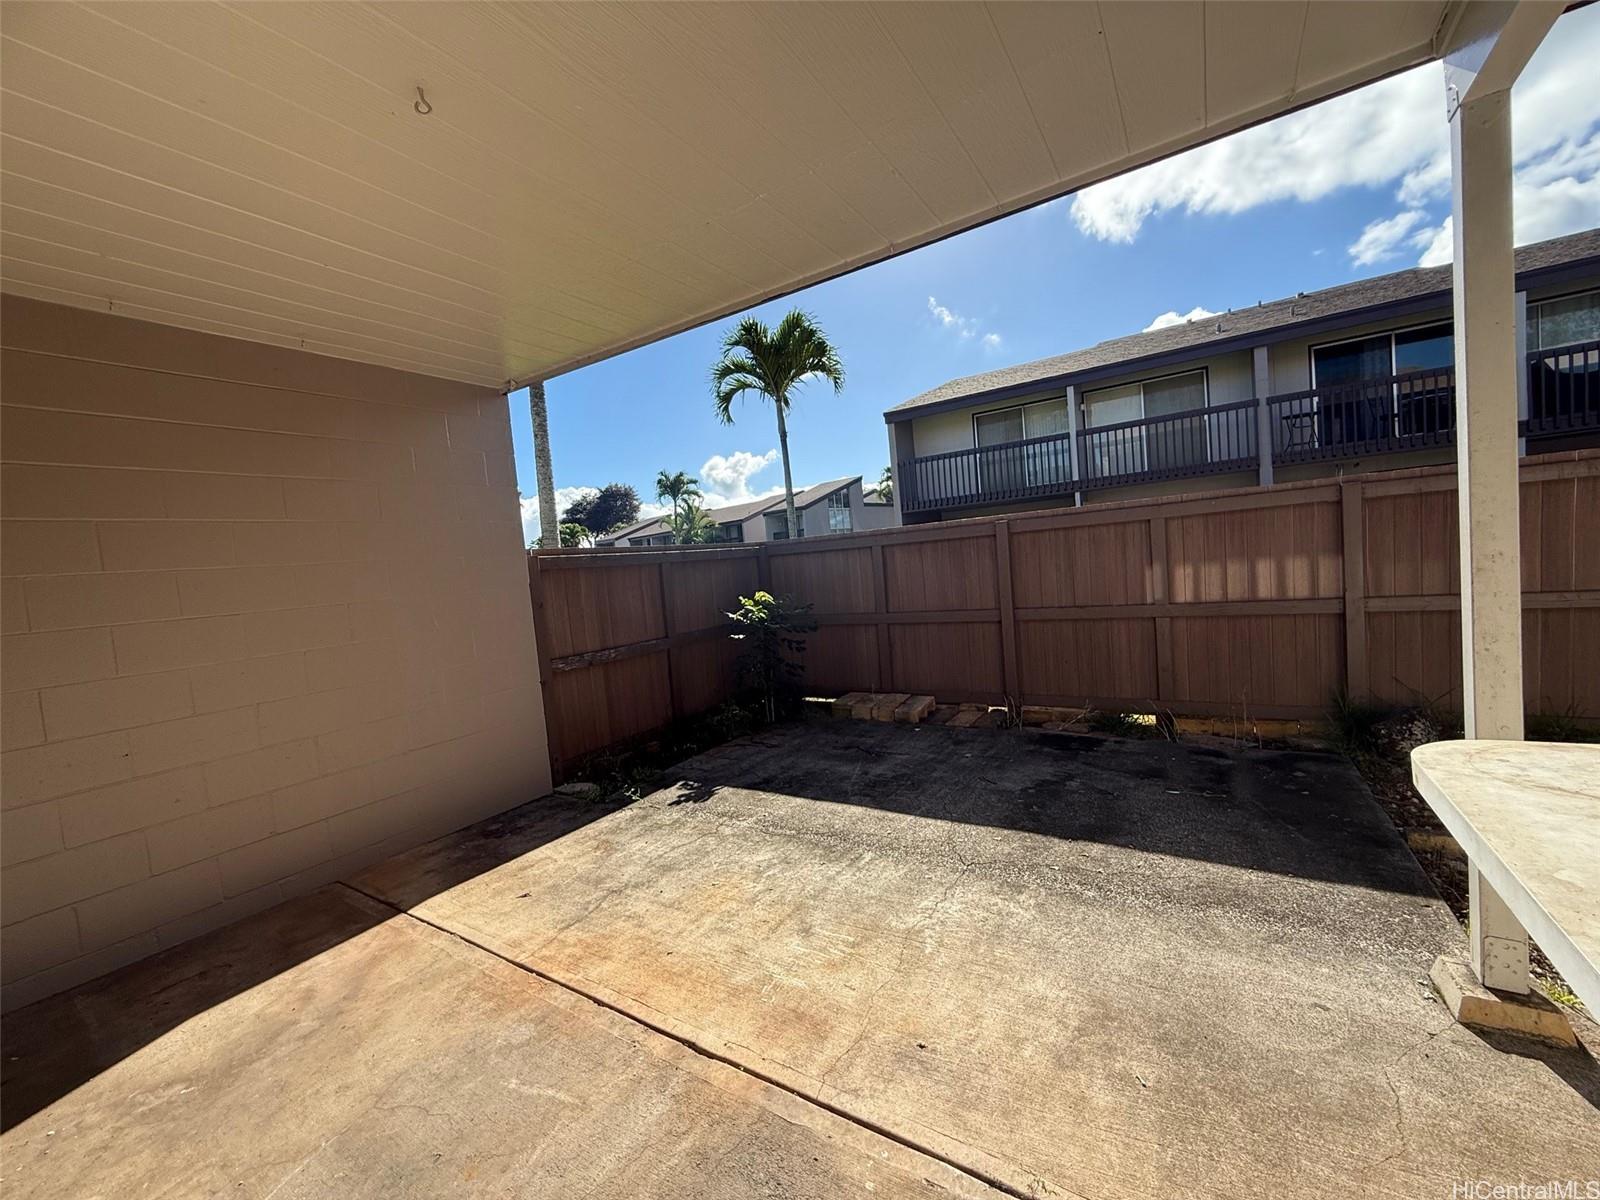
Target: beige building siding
x,y
266,620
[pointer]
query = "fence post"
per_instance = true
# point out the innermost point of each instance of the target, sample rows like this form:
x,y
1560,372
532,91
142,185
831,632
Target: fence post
x,y
1008,611
541,643
666,632
1356,684
1158,595
880,605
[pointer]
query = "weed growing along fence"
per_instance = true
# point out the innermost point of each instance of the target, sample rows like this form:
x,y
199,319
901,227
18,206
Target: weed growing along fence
x,y
1262,602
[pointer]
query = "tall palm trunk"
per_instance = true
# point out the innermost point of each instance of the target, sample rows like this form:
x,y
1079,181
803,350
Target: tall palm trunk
x,y
788,478
549,523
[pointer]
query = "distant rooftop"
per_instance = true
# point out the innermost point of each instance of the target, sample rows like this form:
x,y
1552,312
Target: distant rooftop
x,y
1226,327
730,513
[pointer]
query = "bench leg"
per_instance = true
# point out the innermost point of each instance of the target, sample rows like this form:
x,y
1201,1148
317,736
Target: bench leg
x,y
1499,942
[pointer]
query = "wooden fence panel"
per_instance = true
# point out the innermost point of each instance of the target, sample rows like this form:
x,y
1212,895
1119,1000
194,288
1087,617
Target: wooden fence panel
x,y
699,595
843,658
1086,565
1293,552
1098,660
942,575
1264,602
835,581
955,660
592,610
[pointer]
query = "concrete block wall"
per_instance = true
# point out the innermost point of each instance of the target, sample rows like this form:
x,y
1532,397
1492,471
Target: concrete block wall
x,y
266,620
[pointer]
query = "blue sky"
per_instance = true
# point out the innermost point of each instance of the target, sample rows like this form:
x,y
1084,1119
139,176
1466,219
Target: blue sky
x,y
1354,187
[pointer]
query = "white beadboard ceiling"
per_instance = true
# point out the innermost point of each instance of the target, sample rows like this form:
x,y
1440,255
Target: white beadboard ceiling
x,y
592,176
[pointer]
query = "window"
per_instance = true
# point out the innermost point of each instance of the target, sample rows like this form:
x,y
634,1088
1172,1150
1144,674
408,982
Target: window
x,y
1025,466
839,511
1564,374
1564,322
1360,400
1131,451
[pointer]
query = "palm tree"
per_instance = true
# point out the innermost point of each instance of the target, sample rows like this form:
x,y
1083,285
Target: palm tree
x,y
693,526
772,363
886,485
549,526
677,487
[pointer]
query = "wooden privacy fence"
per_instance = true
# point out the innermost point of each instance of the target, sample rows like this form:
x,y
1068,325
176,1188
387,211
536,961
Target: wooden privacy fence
x,y
1259,602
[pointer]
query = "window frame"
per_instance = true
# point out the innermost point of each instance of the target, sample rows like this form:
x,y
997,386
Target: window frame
x,y
1204,371
1311,350
1534,304
1021,409
843,496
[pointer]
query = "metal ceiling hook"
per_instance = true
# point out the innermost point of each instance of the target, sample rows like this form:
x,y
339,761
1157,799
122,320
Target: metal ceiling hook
x,y
422,105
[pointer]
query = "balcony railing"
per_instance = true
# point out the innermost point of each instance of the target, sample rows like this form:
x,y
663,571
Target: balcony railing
x,y
1202,441
989,474
1413,410
1563,390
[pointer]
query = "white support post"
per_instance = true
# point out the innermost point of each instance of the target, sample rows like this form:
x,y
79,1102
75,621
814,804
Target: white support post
x,y
1486,418
1499,942
1072,443
1263,385
1478,94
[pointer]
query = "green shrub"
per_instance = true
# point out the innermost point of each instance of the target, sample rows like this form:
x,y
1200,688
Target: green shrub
x,y
771,667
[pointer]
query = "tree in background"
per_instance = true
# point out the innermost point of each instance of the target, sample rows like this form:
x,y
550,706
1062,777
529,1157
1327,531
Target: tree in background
x,y
693,525
612,507
676,488
772,363
544,475
886,485
574,535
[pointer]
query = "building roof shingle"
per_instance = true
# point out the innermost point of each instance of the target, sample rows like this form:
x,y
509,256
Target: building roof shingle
x,y
1224,327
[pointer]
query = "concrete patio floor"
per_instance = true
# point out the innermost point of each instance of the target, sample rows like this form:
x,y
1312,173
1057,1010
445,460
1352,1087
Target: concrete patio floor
x,y
832,959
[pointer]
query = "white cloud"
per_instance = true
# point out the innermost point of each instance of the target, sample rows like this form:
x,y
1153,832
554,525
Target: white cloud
x,y
1382,239
725,478
1174,317
1543,208
1391,134
965,328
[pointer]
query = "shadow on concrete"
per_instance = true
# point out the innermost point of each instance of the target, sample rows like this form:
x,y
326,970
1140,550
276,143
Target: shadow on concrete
x,y
1575,1067
1286,812
62,1041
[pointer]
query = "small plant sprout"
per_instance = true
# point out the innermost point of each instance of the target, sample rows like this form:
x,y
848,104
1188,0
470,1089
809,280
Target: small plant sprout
x,y
770,667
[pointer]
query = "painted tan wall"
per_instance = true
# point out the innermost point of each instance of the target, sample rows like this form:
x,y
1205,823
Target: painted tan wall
x,y
266,620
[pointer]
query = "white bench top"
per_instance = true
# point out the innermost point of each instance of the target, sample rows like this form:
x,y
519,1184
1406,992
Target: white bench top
x,y
1528,816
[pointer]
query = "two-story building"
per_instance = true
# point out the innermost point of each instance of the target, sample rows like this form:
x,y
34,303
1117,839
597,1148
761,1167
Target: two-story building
x,y
1352,378
837,506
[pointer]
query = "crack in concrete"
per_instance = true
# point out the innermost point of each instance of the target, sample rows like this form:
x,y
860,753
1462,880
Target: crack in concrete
x,y
975,1174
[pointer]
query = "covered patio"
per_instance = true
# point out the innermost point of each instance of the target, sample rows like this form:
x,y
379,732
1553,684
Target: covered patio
x,y
270,274
831,957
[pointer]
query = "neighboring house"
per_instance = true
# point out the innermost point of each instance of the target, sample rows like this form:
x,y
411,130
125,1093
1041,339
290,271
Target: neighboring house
x,y
836,506
1356,377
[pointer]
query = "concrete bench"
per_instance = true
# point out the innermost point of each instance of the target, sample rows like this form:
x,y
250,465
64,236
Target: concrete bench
x,y
1527,814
